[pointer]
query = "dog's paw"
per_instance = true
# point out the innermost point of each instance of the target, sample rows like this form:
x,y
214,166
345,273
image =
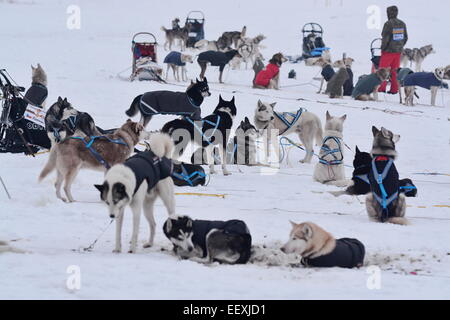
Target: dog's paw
x,y
227,173
132,251
148,245
117,251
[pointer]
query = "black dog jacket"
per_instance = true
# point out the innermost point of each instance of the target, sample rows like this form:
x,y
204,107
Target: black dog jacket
x,y
147,166
234,227
349,253
168,102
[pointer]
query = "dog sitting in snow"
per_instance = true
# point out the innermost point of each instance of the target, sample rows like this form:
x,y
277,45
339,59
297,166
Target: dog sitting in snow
x,y
209,241
269,77
137,183
369,84
385,203
319,248
330,168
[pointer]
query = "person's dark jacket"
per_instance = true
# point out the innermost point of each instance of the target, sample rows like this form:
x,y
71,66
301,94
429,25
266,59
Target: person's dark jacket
x,y
394,34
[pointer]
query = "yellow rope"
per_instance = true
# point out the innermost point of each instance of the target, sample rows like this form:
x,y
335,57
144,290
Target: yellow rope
x,y
40,152
201,194
434,205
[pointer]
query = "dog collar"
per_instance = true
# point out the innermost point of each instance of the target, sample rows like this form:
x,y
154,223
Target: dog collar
x,y
191,101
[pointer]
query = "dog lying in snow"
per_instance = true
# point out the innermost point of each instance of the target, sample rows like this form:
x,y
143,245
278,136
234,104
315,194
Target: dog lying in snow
x,y
319,248
209,241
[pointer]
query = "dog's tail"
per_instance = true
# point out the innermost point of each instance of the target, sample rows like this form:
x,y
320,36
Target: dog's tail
x,y
319,132
163,29
50,165
161,145
134,107
398,220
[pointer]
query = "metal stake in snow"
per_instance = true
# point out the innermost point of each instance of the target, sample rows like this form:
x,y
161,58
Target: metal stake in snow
x,y
4,186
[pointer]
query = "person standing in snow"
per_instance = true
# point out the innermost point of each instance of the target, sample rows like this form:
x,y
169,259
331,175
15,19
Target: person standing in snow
x,y
394,38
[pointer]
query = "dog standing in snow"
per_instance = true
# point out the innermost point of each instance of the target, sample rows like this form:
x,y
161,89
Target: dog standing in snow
x,y
176,61
137,183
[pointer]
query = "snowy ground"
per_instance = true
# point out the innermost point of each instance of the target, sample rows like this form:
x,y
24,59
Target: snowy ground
x,y
83,64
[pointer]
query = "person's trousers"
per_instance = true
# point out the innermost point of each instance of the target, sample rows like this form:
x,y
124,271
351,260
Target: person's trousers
x,y
390,59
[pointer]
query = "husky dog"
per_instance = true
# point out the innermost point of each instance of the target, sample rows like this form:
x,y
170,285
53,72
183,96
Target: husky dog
x,y
335,87
385,203
72,155
5,247
215,130
327,70
416,55
232,38
37,93
330,168
427,80
447,72
319,248
369,84
167,102
137,183
209,241
62,121
176,61
182,34
269,77
346,62
249,49
242,147
307,126
215,58
362,164
402,73
206,45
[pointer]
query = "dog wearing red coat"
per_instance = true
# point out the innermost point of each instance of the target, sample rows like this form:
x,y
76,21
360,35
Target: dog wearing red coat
x,y
269,77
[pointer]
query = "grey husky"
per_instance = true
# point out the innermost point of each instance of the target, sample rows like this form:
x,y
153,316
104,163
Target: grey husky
x,y
384,203
307,126
416,56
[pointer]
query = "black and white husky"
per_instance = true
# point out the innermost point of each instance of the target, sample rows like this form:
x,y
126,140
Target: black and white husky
x,y
209,241
167,102
137,183
212,130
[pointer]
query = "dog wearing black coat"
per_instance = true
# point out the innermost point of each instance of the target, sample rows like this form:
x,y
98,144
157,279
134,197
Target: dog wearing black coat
x,y
168,102
216,58
209,241
211,131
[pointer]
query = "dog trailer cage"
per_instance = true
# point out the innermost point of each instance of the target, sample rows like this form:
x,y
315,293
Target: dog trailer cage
x,y
375,52
195,22
313,45
145,57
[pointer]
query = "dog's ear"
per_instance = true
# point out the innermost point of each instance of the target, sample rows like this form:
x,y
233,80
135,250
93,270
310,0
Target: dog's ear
x,y
396,138
220,98
33,68
100,187
260,103
293,223
307,230
205,80
103,188
375,131
246,120
196,80
232,100
65,100
386,133
59,99
39,66
357,150
273,105
328,115
343,117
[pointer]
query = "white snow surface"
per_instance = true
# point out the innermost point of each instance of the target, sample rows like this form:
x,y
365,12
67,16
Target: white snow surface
x,y
83,65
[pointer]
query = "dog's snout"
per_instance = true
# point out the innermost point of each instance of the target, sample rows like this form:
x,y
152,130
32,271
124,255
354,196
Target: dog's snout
x,y
111,216
190,248
271,118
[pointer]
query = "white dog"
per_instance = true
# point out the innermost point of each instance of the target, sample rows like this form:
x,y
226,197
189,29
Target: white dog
x,y
137,183
330,169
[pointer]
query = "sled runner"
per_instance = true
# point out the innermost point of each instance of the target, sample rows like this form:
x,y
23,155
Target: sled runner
x,y
313,45
145,62
22,127
375,51
195,22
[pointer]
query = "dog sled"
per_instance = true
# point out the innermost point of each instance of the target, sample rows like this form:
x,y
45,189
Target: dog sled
x,y
22,125
196,22
375,52
145,62
313,44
